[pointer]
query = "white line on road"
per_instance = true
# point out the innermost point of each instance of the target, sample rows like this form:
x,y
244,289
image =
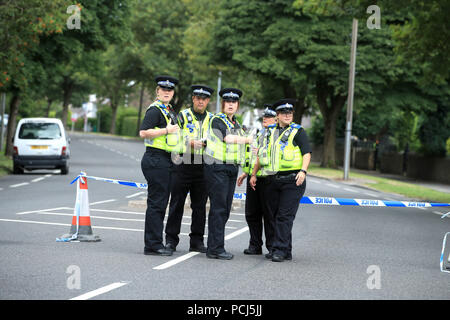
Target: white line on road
x,y
192,254
53,209
349,190
176,261
38,179
100,291
134,195
19,185
331,185
93,227
104,201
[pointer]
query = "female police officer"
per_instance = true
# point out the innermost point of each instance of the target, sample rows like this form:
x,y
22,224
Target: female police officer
x,y
255,208
286,154
224,151
161,133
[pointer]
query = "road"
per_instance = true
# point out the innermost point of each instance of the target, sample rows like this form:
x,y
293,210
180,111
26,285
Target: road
x,y
337,250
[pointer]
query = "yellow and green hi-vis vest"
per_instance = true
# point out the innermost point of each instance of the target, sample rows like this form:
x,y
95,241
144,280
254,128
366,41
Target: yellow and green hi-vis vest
x,y
172,142
250,158
218,149
192,130
279,153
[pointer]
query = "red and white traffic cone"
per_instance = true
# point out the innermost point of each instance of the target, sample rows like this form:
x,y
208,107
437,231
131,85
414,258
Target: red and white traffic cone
x,y
81,229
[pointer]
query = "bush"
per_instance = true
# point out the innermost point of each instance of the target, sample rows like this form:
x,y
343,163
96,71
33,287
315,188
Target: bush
x,y
448,147
128,126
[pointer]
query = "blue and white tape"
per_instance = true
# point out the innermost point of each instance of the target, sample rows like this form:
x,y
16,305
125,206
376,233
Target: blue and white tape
x,y
305,200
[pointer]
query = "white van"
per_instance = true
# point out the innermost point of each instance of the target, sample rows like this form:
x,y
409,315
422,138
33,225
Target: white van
x,y
40,143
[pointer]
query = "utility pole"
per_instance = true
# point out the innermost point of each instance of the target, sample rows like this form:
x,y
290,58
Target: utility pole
x,y
351,87
219,83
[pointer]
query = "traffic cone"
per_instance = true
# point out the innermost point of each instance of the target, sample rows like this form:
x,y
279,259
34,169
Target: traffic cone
x,y
81,221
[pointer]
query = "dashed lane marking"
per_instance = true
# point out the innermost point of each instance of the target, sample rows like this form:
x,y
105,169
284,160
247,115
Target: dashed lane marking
x,y
102,290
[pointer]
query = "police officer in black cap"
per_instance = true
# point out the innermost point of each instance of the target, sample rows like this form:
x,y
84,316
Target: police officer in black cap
x,y
256,213
285,156
225,150
162,137
188,176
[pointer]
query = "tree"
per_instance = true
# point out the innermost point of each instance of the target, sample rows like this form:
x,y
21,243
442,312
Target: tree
x,y
23,24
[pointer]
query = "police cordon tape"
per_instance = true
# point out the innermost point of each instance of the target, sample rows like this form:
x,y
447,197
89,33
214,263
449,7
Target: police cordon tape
x,y
305,200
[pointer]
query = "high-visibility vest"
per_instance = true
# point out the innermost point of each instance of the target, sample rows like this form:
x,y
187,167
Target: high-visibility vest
x,y
218,149
250,158
279,153
172,142
192,130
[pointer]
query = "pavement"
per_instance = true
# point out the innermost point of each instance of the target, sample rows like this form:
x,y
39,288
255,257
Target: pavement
x,y
442,187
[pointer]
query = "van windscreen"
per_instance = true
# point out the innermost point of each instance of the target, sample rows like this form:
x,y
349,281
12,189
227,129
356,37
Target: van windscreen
x,y
39,130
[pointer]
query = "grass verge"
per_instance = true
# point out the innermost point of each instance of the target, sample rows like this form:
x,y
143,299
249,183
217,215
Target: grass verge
x,y
409,190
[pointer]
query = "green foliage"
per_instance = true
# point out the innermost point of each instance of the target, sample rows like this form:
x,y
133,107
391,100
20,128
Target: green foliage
x,y
447,147
128,126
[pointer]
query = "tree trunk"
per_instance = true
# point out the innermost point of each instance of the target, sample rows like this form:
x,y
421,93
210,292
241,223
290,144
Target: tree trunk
x,y
141,101
68,90
330,107
114,106
300,109
47,113
11,129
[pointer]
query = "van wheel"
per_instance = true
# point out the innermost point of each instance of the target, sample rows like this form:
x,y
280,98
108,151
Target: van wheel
x,y
65,169
17,169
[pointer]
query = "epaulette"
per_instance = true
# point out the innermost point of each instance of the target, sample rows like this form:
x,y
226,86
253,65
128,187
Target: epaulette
x,y
295,126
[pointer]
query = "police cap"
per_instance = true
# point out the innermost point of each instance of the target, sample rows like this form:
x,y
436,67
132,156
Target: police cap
x,y
166,82
201,91
269,111
284,105
230,94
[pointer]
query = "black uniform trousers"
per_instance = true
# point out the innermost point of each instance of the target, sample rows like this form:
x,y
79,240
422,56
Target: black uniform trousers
x,y
283,196
220,183
256,212
157,169
187,178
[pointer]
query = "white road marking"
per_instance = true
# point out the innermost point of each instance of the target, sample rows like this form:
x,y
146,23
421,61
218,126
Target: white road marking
x,y
100,291
134,195
349,190
331,185
38,179
19,185
439,213
53,209
1,189
93,227
176,261
192,254
117,211
104,201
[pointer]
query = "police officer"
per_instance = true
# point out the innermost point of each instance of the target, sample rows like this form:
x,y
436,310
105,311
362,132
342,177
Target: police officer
x,y
285,155
162,137
188,176
255,205
225,150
